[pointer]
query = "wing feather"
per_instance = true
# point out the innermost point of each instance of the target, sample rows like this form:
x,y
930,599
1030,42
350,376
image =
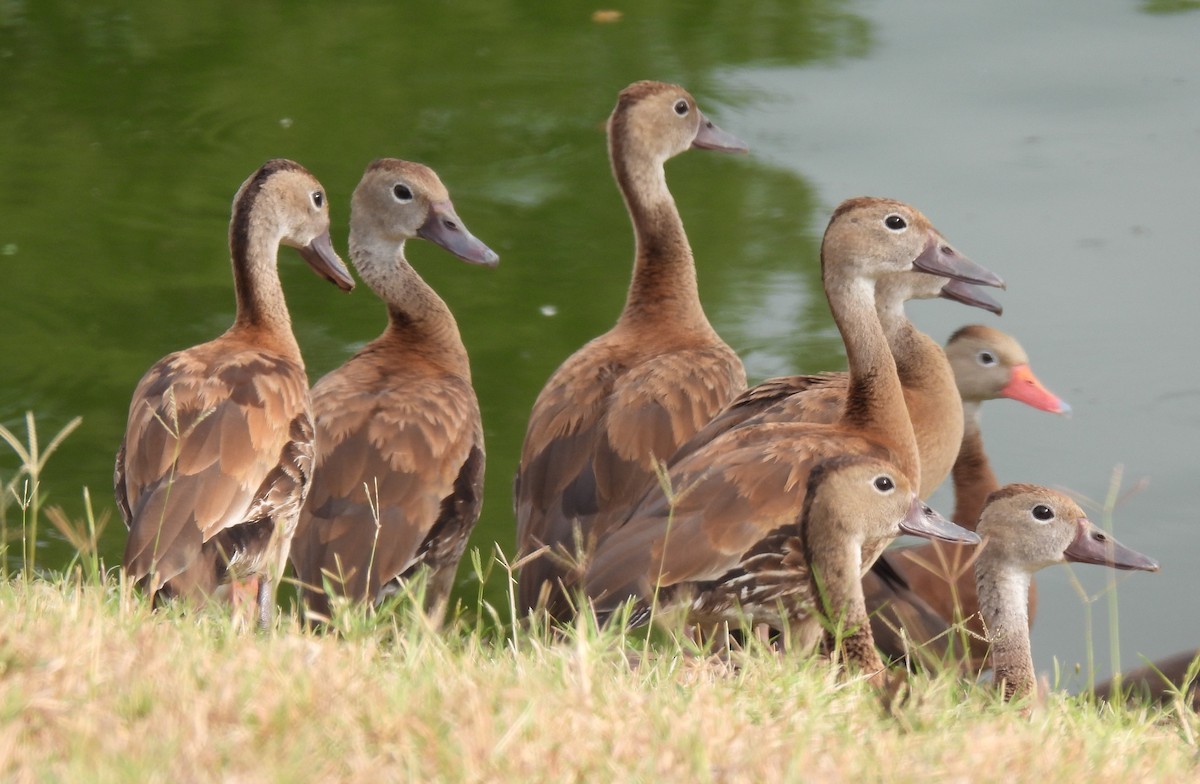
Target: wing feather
x,y
594,435
207,427
389,449
727,497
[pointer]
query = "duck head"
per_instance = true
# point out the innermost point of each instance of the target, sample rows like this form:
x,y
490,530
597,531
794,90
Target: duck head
x,y
664,120
1031,527
883,236
302,212
399,200
990,364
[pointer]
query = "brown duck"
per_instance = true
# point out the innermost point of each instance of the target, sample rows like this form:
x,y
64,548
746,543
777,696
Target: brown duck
x,y
1026,528
635,393
806,576
731,494
218,450
398,482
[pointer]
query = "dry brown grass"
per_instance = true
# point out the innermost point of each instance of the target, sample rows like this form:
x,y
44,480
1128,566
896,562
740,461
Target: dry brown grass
x,y
95,687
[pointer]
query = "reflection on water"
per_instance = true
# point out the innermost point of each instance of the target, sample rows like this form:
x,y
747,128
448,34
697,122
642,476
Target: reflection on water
x,y
128,126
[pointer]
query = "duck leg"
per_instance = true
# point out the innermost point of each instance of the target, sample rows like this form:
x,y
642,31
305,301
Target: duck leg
x,y
266,603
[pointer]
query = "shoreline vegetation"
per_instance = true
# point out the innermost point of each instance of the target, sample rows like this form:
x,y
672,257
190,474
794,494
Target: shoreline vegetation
x,y
95,686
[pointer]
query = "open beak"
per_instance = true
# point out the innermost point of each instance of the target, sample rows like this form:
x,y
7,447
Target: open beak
x,y
974,296
324,260
923,521
444,227
710,137
1024,386
1093,546
939,258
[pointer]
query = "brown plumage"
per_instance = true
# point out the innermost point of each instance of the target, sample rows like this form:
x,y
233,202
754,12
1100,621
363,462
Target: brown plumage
x,y
930,393
1158,681
806,576
635,393
932,400
1026,528
400,442
218,449
733,492
927,588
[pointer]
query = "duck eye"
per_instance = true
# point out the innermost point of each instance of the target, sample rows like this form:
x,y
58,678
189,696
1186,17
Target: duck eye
x,y
681,107
884,484
1043,513
895,222
318,199
986,358
402,193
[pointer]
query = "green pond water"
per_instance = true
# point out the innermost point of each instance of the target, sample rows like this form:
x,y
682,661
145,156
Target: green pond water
x,y
1057,144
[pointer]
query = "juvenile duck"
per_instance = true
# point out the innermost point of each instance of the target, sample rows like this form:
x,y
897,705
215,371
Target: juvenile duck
x,y
806,576
398,482
635,393
218,450
732,493
910,588
988,365
1026,528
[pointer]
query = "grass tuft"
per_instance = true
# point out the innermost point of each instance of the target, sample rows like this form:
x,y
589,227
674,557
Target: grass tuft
x,y
24,487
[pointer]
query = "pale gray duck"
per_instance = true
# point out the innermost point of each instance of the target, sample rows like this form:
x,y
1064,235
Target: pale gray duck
x,y
1026,528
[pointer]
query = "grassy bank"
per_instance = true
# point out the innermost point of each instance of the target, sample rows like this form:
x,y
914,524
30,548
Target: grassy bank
x,y
95,687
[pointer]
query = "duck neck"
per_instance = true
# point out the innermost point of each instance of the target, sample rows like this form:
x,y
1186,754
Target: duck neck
x,y
663,288
930,394
254,249
418,318
836,569
974,479
875,401
1003,601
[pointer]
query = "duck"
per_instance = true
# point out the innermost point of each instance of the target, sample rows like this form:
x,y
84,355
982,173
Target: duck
x,y
988,365
718,503
1025,528
217,454
1158,681
806,576
629,397
926,589
398,479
